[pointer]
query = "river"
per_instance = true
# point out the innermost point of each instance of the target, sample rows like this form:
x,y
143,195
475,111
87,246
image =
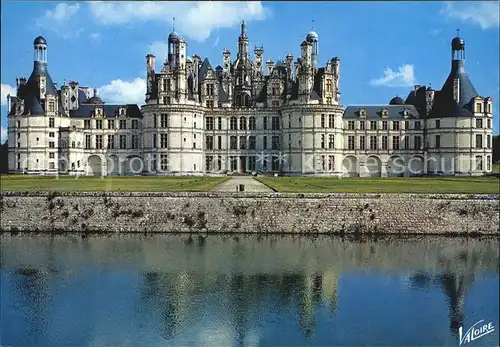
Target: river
x,y
135,290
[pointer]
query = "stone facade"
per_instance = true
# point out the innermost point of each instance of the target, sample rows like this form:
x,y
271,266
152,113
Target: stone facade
x,y
242,116
250,213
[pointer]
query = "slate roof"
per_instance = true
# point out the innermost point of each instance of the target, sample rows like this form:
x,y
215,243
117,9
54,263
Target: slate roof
x,y
204,68
30,90
85,110
375,112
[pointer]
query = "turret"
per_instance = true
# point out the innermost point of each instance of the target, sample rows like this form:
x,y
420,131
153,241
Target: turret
x,y
243,42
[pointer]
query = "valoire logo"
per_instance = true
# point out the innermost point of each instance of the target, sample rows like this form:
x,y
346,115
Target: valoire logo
x,y
475,332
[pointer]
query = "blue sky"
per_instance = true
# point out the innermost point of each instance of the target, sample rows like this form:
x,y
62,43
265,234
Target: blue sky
x,y
384,47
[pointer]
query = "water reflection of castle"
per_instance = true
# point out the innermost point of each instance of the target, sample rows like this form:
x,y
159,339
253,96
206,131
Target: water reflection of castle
x,y
245,296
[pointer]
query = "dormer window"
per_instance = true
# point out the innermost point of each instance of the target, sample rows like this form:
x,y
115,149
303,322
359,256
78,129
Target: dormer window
x,y
122,112
385,113
362,112
479,107
98,112
405,113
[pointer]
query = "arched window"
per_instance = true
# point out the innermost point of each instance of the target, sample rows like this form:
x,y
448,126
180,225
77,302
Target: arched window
x,y
251,123
243,123
72,144
233,123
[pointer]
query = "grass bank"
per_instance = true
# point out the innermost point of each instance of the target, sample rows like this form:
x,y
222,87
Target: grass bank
x,y
466,185
136,184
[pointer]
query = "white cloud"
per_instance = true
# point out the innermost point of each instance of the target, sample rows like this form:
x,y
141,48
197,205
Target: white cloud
x,y
216,42
195,20
61,21
62,12
124,92
3,135
7,90
404,77
95,36
484,14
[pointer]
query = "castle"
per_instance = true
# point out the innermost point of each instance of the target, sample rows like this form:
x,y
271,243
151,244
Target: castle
x,y
246,116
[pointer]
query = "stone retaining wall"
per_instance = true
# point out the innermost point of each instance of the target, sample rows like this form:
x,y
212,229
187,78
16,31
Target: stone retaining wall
x,y
249,213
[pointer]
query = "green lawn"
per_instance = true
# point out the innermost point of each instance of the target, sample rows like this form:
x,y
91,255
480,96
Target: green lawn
x,y
137,184
472,185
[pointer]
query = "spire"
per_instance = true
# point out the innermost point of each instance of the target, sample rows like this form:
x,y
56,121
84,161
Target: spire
x,y
312,26
243,35
173,24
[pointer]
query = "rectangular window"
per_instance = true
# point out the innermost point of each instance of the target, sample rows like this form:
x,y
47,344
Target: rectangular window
x,y
163,140
111,123
135,141
395,125
395,142
407,142
51,122
479,141
51,134
438,124
210,104
233,142
275,142
275,163
251,163
210,89
234,163
384,125
123,141
362,125
219,142
251,142
98,141
86,124
111,141
331,121
489,123
373,125
51,155
417,143
331,163
438,141
373,142
154,141
52,107
209,142
488,141
479,163
322,120
243,142
209,123
135,124
154,121
331,141
328,85
265,122
233,123
163,162
98,123
479,123
362,142
52,166
123,124
18,124
417,125
209,161
488,162
385,143
275,123
350,125
478,108
252,125
322,140
219,123
87,142
350,142
407,125
163,120
264,142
